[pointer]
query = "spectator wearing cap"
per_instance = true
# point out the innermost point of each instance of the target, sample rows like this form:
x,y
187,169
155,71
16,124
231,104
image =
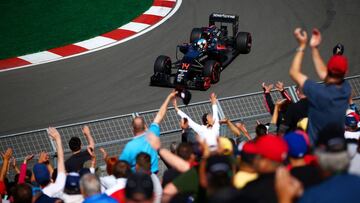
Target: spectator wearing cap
x,y
42,174
352,125
72,192
246,171
352,132
271,151
298,147
139,143
338,185
121,171
210,129
76,161
90,188
143,165
139,189
327,101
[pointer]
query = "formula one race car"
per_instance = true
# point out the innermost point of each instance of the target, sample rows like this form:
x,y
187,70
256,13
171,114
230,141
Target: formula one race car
x,y
210,50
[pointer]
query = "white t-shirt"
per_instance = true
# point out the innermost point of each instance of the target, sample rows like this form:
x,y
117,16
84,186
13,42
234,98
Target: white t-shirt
x,y
209,134
120,183
55,189
107,182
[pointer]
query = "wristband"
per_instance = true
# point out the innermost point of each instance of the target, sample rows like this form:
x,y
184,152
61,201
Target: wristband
x,y
300,49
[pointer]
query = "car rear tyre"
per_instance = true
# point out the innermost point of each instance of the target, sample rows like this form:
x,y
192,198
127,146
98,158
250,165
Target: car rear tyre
x,y
162,65
195,34
243,42
212,70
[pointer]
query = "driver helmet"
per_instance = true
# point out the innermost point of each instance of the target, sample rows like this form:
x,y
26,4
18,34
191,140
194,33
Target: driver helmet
x,y
201,43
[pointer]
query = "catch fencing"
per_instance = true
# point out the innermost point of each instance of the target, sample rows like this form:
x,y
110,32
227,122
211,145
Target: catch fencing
x,y
114,132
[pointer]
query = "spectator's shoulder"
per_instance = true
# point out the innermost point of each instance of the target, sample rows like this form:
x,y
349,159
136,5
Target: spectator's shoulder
x,y
310,83
154,128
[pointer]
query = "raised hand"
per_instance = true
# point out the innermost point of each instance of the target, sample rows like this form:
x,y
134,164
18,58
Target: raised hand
x,y
53,133
173,94
301,36
86,130
8,154
267,88
315,38
104,153
279,86
28,158
213,98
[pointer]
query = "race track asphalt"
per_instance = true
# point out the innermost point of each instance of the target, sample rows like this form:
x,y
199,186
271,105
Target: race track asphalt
x,y
116,80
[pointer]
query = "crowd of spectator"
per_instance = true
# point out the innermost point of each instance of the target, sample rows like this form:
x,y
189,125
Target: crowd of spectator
x,y
308,152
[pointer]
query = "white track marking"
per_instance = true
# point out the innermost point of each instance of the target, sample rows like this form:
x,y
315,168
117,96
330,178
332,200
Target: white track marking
x,y
40,57
95,42
158,11
135,27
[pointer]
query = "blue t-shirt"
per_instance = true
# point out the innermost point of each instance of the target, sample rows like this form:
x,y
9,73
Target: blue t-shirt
x,y
327,105
140,144
340,188
100,198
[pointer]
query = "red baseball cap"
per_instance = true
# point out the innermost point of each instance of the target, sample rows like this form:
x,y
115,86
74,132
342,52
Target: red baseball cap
x,y
271,147
248,148
338,65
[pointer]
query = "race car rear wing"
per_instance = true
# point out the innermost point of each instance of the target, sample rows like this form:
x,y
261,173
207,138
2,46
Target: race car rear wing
x,y
225,18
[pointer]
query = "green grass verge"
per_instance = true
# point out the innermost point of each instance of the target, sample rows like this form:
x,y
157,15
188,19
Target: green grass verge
x,y
29,26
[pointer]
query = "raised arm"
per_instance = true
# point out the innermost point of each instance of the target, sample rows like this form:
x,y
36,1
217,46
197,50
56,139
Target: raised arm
x,y
213,100
59,183
280,87
196,127
236,131
295,70
162,111
55,135
173,160
320,66
88,136
6,160
267,97
22,175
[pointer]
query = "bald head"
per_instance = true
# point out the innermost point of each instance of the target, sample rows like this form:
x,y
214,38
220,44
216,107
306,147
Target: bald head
x,y
138,125
90,185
